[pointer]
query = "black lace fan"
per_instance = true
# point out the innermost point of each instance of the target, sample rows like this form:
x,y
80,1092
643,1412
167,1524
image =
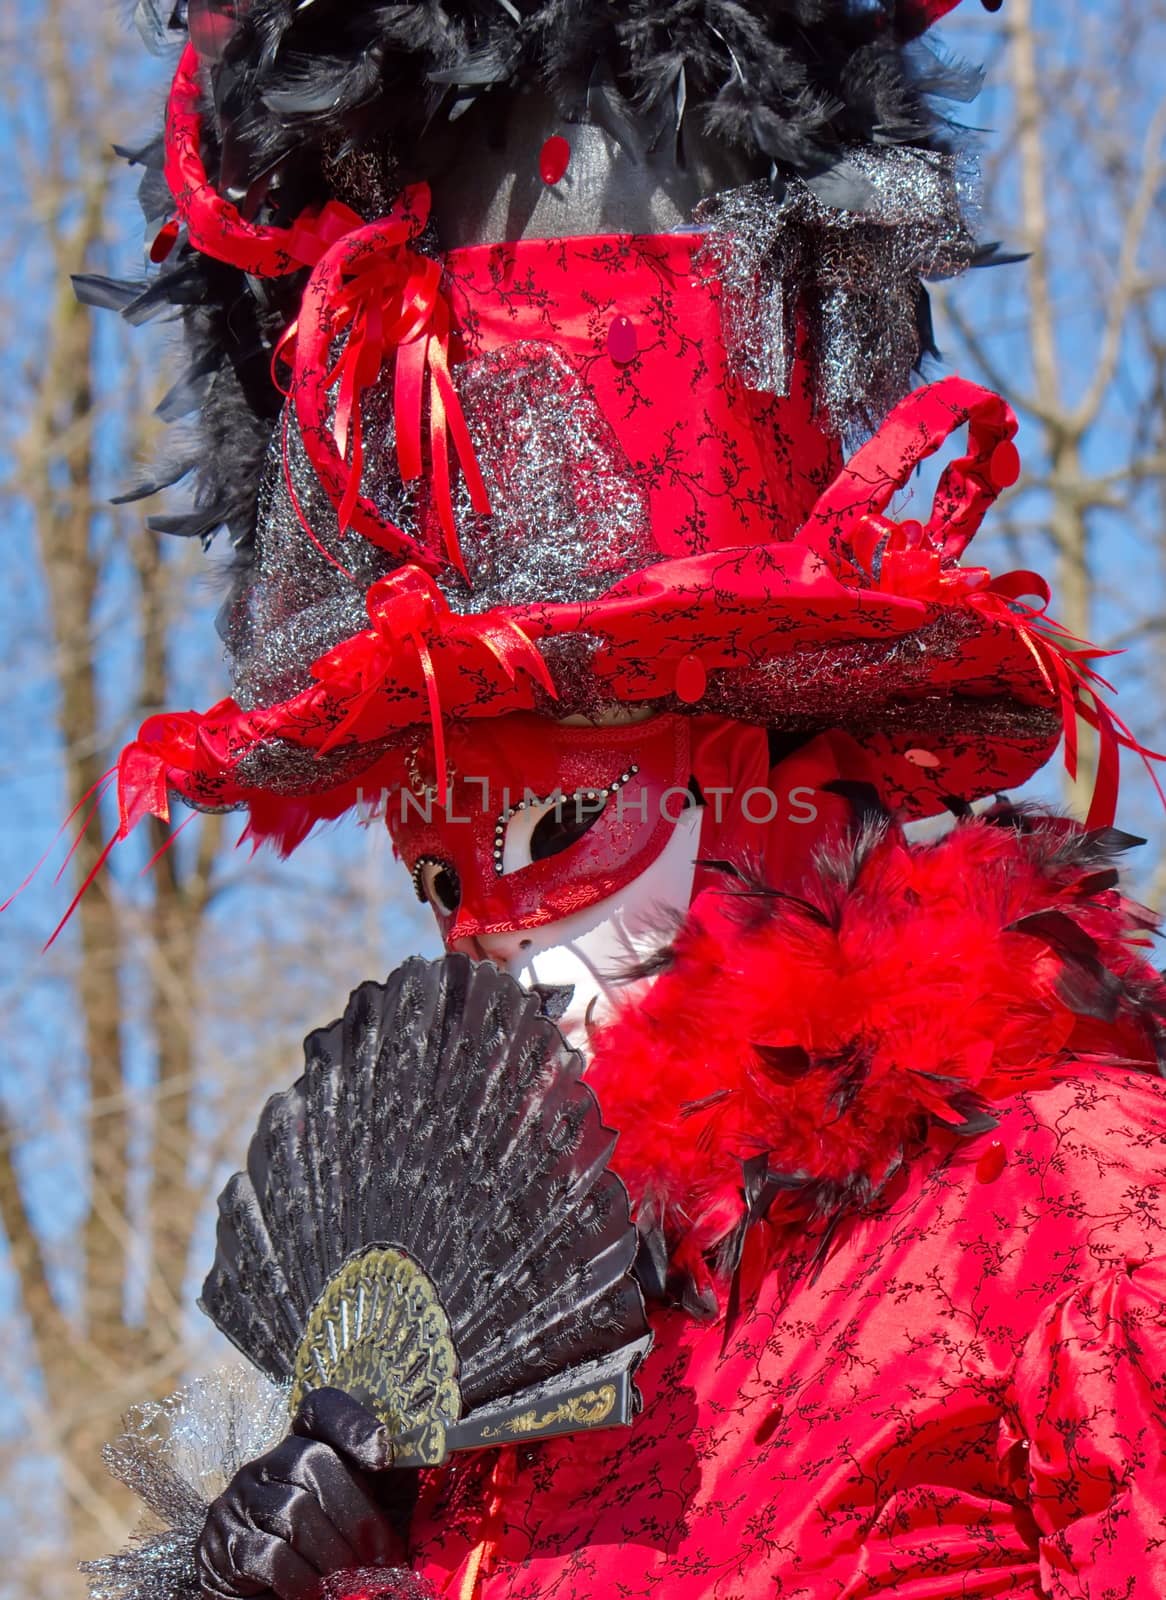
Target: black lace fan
x,y
427,1221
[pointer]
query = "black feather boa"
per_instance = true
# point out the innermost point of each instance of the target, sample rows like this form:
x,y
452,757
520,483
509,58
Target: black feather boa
x,y
306,101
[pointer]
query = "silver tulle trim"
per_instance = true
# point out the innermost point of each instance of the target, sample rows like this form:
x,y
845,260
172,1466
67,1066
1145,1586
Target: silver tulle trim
x,y
832,272
177,1455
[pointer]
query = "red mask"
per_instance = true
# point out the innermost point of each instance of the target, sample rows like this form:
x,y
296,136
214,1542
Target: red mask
x,y
543,820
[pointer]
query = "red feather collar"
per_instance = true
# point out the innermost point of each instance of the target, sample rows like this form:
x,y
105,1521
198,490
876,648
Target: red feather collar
x,y
796,1051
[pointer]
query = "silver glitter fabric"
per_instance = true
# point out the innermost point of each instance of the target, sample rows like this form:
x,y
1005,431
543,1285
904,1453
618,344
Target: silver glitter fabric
x,y
839,283
281,767
568,518
570,659
300,594
376,1583
177,1455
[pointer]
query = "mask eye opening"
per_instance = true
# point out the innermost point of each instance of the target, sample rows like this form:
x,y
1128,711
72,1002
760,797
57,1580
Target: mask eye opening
x,y
437,885
555,807
566,822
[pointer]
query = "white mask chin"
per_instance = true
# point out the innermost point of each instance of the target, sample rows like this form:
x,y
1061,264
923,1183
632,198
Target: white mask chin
x,y
589,950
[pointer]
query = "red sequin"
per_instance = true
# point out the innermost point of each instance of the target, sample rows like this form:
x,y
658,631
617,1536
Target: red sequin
x,y
165,240
691,680
770,1426
991,1163
1004,467
553,159
212,23
622,343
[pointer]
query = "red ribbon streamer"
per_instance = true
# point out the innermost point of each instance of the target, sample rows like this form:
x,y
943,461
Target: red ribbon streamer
x,y
1062,659
1064,663
384,299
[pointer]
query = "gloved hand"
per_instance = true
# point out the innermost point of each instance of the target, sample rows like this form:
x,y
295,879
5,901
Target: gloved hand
x,y
314,1505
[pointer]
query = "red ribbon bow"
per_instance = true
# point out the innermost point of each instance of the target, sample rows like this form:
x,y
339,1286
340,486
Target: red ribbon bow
x,y
384,299
408,606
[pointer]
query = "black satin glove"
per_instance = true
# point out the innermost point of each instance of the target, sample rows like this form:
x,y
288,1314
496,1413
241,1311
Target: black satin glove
x,y
321,1502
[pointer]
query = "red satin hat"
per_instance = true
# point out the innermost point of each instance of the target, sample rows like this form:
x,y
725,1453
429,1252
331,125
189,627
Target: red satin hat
x,y
569,441
956,684
721,559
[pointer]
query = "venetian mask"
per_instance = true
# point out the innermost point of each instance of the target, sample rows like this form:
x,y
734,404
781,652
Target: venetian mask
x,y
562,853
568,853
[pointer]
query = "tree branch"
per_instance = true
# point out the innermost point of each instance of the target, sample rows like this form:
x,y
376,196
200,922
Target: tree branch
x,y
1128,284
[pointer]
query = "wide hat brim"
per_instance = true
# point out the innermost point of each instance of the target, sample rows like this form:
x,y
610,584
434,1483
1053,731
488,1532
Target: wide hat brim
x,y
956,684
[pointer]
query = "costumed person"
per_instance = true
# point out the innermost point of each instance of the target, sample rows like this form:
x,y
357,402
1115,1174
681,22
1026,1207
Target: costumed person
x,y
555,369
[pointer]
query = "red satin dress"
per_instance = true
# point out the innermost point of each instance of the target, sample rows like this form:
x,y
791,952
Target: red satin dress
x,y
969,1401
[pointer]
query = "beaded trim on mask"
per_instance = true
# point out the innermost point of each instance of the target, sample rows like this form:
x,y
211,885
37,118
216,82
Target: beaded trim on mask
x,y
532,800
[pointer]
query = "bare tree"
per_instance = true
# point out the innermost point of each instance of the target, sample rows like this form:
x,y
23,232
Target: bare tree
x,y
58,479
1073,336
131,1073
